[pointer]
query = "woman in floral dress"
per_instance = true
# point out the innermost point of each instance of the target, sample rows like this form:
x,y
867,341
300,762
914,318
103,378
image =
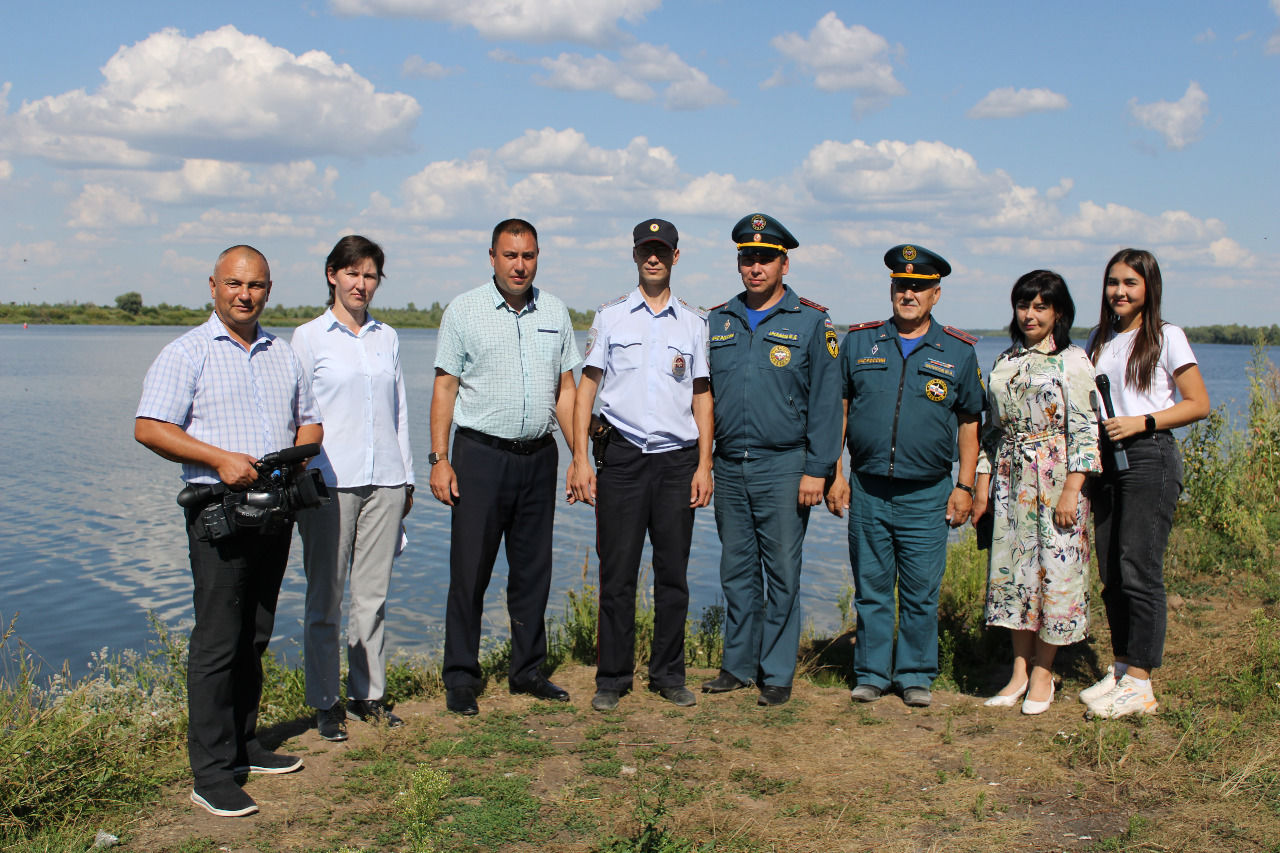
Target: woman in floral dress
x,y
1040,441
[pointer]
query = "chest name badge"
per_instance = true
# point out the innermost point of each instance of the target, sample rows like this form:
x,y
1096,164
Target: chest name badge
x,y
719,339
936,390
870,360
784,336
678,367
780,356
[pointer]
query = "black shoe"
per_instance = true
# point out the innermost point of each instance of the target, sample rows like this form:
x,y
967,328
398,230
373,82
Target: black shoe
x,y
372,711
224,799
678,695
605,700
542,689
723,683
332,723
771,694
461,700
271,763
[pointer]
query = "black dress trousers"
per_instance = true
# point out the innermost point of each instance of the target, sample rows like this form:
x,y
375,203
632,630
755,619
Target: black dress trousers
x,y
639,493
503,495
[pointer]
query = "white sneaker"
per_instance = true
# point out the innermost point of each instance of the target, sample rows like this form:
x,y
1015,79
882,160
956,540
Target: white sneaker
x,y
1108,683
1127,698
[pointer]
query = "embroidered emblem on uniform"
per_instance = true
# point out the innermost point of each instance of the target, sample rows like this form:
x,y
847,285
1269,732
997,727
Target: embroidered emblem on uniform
x,y
591,340
827,323
868,360
726,324
780,356
719,339
832,346
936,390
875,348
653,227
758,223
908,253
783,335
677,367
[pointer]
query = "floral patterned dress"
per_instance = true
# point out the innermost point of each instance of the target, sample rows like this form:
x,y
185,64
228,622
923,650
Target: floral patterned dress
x,y
1040,428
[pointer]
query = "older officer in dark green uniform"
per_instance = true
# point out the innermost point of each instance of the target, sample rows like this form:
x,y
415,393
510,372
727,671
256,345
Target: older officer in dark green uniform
x,y
912,392
776,390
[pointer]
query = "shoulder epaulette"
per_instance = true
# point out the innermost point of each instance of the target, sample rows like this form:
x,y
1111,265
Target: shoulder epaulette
x,y
718,307
812,304
611,302
701,312
960,334
870,324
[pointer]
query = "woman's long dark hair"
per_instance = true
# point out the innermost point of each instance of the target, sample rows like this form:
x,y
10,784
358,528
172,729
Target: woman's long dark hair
x,y
1141,368
1050,287
348,252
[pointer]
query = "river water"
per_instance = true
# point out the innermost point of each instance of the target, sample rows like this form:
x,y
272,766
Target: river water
x,y
92,539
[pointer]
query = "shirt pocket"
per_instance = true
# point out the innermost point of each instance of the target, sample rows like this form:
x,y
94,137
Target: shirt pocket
x,y
937,383
724,352
867,375
625,355
546,346
679,364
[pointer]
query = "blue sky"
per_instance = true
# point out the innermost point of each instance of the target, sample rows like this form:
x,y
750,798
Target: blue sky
x,y
138,139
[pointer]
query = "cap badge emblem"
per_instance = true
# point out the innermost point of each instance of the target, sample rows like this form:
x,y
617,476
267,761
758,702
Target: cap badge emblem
x,y
908,253
758,223
653,226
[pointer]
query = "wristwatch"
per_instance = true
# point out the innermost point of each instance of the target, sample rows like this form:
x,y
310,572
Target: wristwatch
x,y
963,487
1151,423
434,457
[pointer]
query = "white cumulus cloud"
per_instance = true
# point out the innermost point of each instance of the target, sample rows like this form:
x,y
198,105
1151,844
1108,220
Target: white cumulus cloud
x,y
592,22
1009,102
221,95
6,170
102,206
636,75
416,66
1180,121
841,57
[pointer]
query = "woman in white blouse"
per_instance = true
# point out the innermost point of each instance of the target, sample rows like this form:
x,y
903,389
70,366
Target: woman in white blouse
x,y
1155,387
354,364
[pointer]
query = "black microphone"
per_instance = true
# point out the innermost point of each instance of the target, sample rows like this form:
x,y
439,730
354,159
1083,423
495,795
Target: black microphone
x,y
1117,452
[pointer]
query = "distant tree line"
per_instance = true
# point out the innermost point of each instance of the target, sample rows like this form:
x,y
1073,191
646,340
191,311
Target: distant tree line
x,y
129,310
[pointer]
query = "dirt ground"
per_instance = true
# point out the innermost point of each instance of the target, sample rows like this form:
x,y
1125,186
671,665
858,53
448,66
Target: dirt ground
x,y
819,774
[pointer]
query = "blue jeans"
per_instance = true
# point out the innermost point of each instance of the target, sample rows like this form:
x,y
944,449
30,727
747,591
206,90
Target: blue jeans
x,y
1132,517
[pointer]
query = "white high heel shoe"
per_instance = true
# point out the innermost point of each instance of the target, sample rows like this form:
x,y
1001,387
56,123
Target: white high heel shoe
x,y
1008,701
1031,707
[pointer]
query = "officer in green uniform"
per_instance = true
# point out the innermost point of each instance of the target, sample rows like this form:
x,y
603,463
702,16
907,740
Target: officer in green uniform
x,y
776,390
912,392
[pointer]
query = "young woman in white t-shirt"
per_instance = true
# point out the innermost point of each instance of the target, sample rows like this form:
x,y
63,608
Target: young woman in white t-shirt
x,y
1155,387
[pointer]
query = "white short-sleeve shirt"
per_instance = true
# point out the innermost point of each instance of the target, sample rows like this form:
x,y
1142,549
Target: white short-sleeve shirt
x,y
1175,353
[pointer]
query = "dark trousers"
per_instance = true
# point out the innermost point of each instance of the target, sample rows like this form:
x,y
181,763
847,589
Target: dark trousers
x,y
237,581
502,495
639,493
1132,517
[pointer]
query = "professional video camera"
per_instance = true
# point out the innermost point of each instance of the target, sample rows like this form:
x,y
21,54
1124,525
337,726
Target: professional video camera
x,y
265,507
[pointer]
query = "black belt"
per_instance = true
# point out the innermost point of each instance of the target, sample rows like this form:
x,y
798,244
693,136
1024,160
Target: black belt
x,y
524,448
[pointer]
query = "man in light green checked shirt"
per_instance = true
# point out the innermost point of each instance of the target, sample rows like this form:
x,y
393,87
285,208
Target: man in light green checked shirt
x,y
504,376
